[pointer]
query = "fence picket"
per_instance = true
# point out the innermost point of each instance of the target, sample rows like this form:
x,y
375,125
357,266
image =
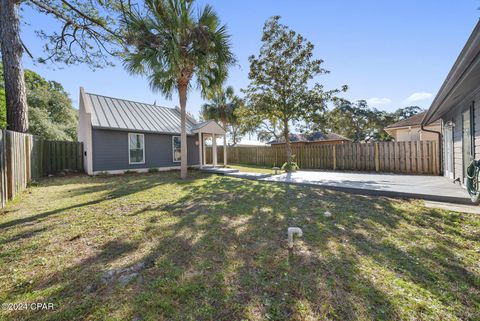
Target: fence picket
x,y
394,157
24,157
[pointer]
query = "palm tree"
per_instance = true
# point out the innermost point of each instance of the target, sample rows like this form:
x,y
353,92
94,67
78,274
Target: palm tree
x,y
173,47
222,105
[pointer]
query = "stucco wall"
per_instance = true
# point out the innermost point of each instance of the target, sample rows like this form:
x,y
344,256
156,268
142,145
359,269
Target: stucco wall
x,y
415,134
84,131
110,151
406,134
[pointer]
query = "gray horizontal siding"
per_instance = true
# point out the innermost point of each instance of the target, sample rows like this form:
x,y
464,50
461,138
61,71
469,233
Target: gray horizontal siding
x,y
455,115
457,147
476,120
110,151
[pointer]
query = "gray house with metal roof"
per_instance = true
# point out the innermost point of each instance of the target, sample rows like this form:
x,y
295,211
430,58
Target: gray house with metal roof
x,y
121,135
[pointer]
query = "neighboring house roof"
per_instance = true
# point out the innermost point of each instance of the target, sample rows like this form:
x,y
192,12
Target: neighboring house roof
x,y
242,143
415,120
251,143
461,81
122,114
313,137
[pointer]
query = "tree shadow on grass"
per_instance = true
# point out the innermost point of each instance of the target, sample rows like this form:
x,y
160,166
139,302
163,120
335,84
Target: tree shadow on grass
x,y
78,288
109,188
231,236
219,252
24,235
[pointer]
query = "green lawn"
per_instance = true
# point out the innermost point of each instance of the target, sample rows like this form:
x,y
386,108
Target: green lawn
x,y
152,247
252,168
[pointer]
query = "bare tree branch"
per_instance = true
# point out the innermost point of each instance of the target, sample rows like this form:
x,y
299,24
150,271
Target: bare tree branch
x,y
93,20
26,49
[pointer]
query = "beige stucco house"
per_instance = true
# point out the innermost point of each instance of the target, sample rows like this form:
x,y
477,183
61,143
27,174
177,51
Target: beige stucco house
x,y
409,129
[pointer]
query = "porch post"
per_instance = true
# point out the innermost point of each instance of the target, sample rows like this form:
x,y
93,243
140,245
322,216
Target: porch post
x,y
225,150
204,151
200,148
214,150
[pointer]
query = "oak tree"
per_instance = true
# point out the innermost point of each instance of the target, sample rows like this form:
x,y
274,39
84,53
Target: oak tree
x,y
280,78
87,34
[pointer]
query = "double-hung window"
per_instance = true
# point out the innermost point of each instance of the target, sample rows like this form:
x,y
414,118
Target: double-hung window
x,y
136,148
176,146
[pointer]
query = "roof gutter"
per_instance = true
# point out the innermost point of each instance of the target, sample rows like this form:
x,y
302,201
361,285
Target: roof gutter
x,y
440,140
468,56
458,71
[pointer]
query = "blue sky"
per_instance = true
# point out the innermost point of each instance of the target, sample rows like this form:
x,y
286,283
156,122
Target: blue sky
x,y
391,53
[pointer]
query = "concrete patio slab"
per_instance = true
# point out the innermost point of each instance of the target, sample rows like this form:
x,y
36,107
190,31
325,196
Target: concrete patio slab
x,y
219,170
433,188
235,173
248,175
463,208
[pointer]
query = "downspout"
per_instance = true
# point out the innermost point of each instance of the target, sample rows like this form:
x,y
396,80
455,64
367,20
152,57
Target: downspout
x,y
440,142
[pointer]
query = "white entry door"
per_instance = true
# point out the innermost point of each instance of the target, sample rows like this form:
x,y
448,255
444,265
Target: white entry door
x,y
448,151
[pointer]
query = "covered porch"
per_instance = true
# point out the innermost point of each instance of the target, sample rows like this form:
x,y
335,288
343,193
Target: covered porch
x,y
210,130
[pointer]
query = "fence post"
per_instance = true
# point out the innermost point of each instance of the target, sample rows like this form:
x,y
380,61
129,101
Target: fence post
x,y
377,158
334,157
3,169
28,157
9,160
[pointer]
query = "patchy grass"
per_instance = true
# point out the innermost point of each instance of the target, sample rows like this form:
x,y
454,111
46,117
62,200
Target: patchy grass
x,y
153,247
253,168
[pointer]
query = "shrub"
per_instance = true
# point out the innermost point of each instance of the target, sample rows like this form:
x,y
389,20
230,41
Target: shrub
x,y
130,171
290,167
153,170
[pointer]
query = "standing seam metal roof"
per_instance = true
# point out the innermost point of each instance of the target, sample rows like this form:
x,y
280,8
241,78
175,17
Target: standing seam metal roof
x,y
122,114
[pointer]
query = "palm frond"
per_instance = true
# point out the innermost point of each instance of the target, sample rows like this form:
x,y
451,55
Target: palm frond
x,y
169,44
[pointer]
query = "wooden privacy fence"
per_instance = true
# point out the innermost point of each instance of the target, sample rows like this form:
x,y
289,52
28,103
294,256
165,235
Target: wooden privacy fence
x,y
25,157
394,157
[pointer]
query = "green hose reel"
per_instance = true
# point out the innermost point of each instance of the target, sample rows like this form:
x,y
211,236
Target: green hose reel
x,y
473,187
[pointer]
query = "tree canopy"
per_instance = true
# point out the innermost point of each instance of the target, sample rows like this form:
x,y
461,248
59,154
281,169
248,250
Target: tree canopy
x,y
51,113
359,122
224,106
88,33
280,77
175,47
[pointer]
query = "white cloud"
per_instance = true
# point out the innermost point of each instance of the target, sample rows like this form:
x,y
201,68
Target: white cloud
x,y
378,102
415,97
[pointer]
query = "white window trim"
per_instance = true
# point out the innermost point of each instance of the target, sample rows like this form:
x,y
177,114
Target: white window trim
x,y
136,163
173,149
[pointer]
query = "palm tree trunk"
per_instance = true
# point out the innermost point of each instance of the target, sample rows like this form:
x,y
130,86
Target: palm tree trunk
x,y
182,91
12,50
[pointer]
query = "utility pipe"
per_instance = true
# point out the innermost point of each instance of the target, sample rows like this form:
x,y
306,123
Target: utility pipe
x,y
291,232
440,142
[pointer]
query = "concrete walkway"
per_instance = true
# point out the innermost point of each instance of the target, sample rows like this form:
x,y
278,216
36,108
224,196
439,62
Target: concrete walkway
x,y
433,188
235,173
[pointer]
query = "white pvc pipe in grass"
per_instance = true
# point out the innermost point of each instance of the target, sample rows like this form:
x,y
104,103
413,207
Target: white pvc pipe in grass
x,y
291,231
